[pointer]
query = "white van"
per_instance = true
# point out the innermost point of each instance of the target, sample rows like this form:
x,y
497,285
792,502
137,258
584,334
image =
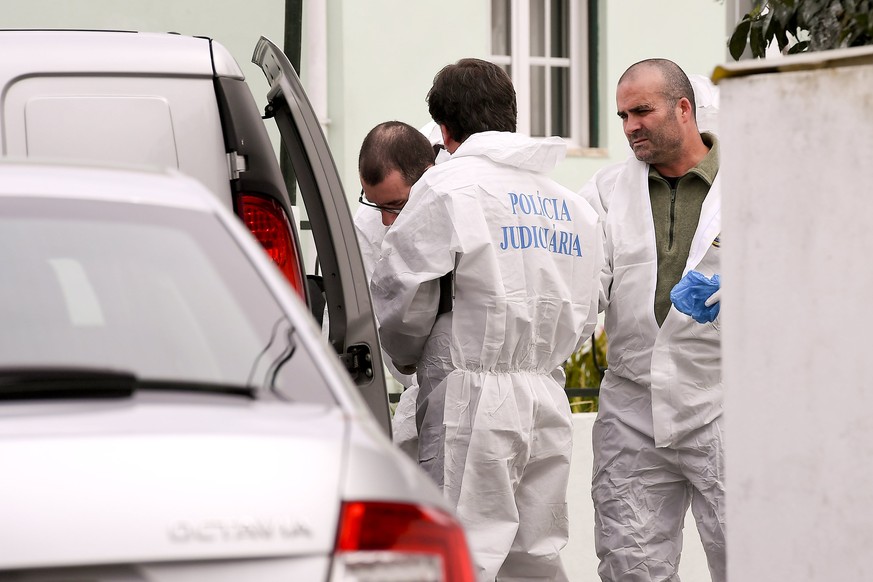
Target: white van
x,y
182,102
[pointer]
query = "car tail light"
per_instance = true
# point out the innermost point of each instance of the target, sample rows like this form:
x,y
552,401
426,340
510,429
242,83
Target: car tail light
x,y
400,542
267,220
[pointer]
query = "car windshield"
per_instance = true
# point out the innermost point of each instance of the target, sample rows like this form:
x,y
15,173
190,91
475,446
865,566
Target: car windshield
x,y
164,294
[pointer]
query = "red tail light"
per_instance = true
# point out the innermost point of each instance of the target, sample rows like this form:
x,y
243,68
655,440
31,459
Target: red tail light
x,y
267,220
394,541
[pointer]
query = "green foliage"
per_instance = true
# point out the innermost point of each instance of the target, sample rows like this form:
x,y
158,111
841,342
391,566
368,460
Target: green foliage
x,y
583,370
827,24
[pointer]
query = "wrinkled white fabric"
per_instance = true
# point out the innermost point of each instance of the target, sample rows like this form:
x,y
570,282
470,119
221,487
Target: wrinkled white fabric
x,y
706,97
680,362
642,493
403,429
657,438
495,427
370,232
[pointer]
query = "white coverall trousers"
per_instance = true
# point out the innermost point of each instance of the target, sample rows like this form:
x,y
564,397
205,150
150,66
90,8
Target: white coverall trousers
x,y
497,478
641,495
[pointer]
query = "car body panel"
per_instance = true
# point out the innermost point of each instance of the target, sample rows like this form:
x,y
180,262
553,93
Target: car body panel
x,y
115,97
350,311
92,181
29,52
280,569
199,478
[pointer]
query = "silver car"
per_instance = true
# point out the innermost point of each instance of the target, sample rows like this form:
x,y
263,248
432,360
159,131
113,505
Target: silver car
x,y
169,409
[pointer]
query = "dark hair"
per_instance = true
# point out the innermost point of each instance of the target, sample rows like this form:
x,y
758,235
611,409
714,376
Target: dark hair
x,y
470,96
676,83
394,145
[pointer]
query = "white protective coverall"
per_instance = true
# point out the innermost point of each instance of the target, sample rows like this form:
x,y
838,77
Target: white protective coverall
x,y
657,438
370,232
495,427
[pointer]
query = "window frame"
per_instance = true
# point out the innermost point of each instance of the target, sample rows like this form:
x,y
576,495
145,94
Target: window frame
x,y
520,61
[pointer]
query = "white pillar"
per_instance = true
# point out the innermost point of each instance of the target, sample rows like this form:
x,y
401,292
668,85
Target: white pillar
x,y
797,144
315,55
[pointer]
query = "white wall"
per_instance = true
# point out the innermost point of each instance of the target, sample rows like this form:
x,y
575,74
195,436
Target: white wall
x,y
383,57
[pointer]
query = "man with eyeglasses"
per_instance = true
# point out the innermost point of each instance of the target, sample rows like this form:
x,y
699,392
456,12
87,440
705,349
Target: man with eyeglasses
x,y
393,157
495,428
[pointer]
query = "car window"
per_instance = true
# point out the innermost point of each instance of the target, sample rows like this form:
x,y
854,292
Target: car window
x,y
166,294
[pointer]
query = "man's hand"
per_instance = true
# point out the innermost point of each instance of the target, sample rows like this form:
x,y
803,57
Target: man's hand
x,y
405,369
713,299
689,293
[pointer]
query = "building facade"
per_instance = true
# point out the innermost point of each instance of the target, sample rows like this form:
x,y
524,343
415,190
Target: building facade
x,y
368,62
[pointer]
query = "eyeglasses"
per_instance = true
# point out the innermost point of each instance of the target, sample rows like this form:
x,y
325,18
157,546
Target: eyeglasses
x,y
366,202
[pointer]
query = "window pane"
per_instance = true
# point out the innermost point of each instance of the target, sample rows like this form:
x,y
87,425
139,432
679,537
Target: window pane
x,y
560,25
560,101
501,28
537,28
538,101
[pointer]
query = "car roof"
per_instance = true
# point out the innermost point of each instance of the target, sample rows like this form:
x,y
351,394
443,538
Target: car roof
x,y
32,52
158,187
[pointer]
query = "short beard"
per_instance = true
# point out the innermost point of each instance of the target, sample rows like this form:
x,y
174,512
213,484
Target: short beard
x,y
661,148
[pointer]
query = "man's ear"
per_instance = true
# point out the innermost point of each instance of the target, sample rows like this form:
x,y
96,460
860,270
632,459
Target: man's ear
x,y
685,108
451,145
446,137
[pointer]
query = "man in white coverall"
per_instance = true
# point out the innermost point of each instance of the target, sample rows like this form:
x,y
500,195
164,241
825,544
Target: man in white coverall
x,y
658,435
525,253
393,157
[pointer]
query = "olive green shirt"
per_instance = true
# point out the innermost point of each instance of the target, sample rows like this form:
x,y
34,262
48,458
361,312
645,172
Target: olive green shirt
x,y
676,212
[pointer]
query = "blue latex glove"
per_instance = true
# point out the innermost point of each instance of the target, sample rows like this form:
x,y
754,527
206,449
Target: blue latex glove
x,y
691,293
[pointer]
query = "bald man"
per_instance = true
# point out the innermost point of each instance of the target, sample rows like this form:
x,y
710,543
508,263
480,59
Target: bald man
x,y
658,436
